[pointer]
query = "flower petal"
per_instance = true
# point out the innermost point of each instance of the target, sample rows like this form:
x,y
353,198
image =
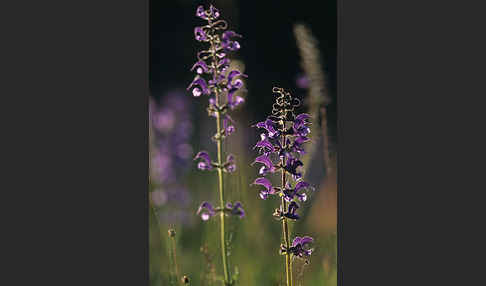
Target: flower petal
x,y
263,182
264,160
203,155
301,185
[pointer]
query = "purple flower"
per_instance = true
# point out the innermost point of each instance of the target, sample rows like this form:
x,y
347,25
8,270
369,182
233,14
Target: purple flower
x,y
236,209
238,83
230,165
213,12
290,193
293,206
201,13
226,42
223,64
202,89
216,80
269,189
234,102
300,125
227,126
292,165
200,35
201,67
206,211
297,146
303,82
270,127
205,163
299,246
267,164
264,145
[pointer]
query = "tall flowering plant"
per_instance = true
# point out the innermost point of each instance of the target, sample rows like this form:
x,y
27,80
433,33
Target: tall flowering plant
x,y
215,79
280,146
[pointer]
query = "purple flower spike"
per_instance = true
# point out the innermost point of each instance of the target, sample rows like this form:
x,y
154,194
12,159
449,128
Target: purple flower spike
x,y
201,67
202,89
206,211
205,164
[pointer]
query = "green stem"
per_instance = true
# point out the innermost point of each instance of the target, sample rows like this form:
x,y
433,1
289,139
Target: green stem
x,y
174,254
285,227
227,280
221,204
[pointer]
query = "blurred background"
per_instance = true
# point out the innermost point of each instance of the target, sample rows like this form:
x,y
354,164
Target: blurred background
x,y
287,44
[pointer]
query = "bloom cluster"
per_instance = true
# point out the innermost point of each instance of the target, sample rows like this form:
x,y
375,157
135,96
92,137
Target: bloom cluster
x,y
215,79
170,121
280,147
206,210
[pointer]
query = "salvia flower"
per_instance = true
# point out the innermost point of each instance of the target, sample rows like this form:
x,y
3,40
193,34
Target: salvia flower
x,y
236,209
204,161
215,78
206,210
300,247
281,145
268,188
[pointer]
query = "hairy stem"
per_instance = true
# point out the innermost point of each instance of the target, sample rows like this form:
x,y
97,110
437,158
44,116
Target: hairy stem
x,y
220,171
285,227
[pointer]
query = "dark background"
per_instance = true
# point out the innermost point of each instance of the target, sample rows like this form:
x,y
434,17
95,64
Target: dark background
x,y
268,50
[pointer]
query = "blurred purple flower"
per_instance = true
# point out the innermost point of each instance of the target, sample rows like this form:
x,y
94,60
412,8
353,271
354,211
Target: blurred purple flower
x,y
170,119
303,81
206,211
236,209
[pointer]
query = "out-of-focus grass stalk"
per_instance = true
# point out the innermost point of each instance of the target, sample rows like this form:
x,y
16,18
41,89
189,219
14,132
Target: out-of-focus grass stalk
x,y
325,140
317,96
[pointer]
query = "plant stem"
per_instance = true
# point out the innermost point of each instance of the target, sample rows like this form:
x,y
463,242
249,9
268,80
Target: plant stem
x,y
285,227
174,254
221,204
220,163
